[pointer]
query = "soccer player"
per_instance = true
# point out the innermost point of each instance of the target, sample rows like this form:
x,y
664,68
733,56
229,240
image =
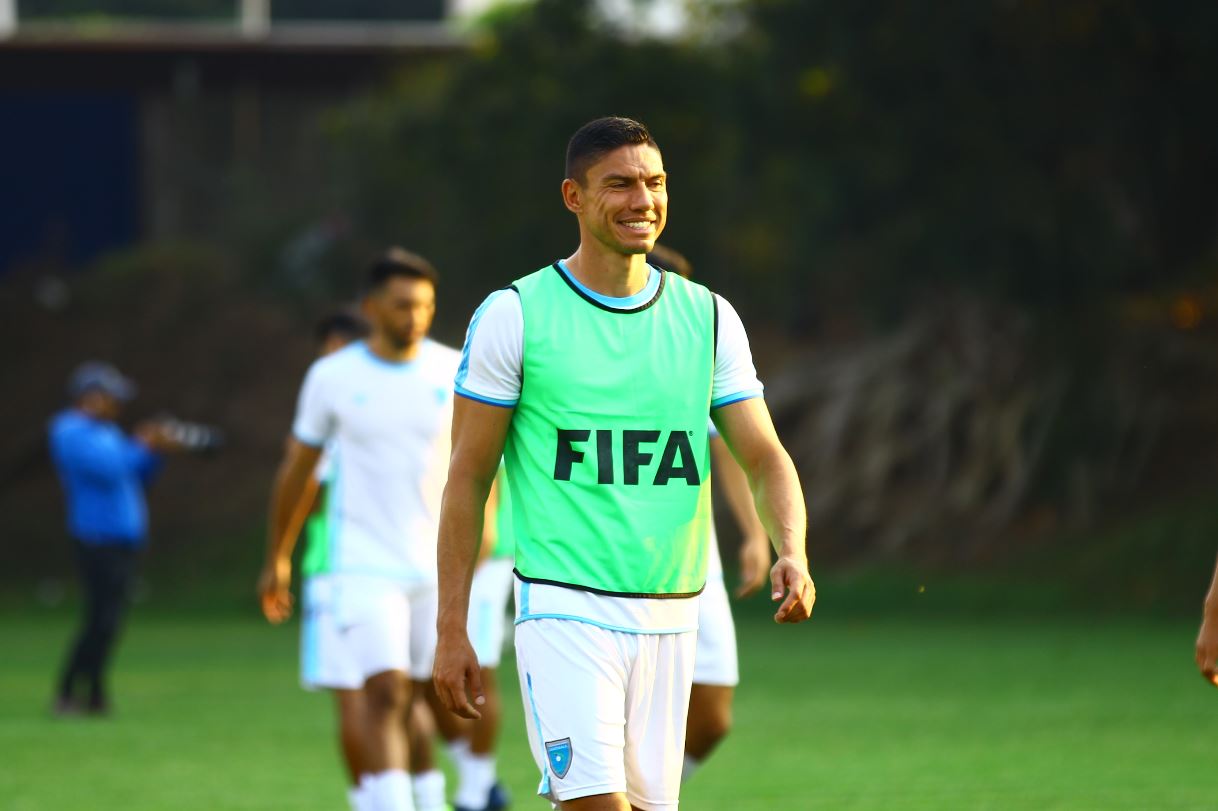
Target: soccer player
x,y
384,405
593,379
103,472
1207,637
716,668
333,333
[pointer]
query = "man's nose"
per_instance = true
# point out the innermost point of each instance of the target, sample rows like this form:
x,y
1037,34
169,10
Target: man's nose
x,y
641,198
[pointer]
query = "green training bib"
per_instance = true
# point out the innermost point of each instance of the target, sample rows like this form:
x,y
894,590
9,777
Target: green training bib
x,y
505,545
316,558
607,455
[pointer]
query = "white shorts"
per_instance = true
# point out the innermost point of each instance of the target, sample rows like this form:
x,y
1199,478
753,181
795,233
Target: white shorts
x,y
488,612
605,710
715,661
355,627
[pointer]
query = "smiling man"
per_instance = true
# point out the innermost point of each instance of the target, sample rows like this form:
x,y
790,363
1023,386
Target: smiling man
x,y
593,378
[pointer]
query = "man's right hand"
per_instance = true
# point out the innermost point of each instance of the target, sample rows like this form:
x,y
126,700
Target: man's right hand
x,y
274,592
457,676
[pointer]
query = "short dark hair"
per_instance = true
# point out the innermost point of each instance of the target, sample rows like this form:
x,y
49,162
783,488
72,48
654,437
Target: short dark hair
x,y
594,140
399,262
666,258
341,322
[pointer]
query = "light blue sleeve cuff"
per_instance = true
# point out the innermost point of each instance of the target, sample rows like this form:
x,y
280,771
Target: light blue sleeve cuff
x,y
312,443
738,397
469,395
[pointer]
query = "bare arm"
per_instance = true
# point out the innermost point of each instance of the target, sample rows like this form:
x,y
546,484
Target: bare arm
x,y
1207,638
490,531
749,433
479,431
754,544
292,497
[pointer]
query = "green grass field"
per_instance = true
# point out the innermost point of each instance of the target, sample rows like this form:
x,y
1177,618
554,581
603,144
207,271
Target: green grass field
x,y
915,713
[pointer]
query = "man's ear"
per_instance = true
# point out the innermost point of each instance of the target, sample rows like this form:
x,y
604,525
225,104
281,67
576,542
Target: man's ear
x,y
572,196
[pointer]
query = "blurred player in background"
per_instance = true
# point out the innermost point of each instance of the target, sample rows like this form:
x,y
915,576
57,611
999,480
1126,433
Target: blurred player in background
x,y
716,667
593,378
1207,638
384,406
104,473
333,333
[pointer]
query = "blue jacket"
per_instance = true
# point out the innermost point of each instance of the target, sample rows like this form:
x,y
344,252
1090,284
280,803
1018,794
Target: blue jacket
x,y
103,473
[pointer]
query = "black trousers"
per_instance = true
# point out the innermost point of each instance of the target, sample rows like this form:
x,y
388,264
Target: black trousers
x,y
106,573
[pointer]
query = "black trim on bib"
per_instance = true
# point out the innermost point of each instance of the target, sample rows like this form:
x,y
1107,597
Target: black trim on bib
x,y
637,595
715,337
595,303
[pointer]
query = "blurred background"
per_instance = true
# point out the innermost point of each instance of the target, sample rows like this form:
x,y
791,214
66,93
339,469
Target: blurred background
x,y
975,245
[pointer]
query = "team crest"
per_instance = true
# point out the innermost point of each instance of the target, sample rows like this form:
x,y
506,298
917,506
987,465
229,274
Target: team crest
x,y
559,754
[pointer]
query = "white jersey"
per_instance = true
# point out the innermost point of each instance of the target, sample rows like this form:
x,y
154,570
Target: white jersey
x,y
490,372
389,428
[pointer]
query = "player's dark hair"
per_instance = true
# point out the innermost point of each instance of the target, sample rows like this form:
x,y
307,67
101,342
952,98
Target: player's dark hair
x,y
665,258
399,263
598,138
343,323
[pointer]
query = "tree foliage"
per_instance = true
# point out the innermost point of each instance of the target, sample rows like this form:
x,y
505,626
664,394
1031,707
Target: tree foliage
x,y
829,162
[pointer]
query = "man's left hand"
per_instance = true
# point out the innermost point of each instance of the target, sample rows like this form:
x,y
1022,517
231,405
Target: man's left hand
x,y
790,576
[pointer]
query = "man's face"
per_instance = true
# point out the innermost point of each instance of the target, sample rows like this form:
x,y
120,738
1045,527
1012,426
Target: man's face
x,y
101,404
623,201
402,310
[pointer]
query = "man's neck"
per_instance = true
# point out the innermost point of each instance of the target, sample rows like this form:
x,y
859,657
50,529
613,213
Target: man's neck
x,y
388,350
607,272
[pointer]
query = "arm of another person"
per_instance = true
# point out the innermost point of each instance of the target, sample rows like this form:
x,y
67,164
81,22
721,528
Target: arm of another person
x,y
749,433
292,496
479,431
1207,638
755,556
98,453
145,451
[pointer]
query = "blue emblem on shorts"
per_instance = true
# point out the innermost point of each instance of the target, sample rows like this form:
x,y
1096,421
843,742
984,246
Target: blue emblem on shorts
x,y
559,754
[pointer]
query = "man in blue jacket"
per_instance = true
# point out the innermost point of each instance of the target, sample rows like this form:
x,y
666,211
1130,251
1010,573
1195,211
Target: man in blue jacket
x,y
104,473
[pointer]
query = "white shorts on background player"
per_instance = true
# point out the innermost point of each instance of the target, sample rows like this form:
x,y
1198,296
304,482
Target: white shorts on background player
x,y
355,627
488,602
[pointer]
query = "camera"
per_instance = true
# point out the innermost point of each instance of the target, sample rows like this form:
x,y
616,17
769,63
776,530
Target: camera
x,y
194,437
